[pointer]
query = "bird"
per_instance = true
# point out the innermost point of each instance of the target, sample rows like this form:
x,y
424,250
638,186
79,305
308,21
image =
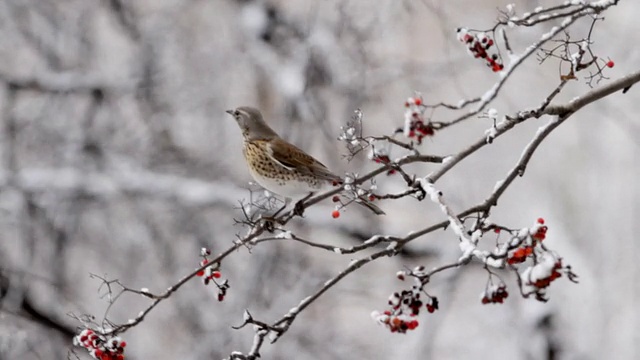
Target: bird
x,y
281,167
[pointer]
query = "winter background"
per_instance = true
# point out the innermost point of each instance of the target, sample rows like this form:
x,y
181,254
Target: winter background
x,y
117,159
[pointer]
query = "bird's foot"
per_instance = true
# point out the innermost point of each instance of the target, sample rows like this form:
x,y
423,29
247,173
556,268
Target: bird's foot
x,y
268,225
298,208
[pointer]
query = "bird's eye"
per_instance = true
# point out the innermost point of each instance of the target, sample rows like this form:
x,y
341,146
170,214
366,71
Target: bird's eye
x,y
236,113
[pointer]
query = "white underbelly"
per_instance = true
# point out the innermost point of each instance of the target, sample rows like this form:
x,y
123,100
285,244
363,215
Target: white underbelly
x,y
292,189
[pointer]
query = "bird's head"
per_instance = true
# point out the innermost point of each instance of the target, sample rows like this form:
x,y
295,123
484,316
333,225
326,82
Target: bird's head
x,y
251,123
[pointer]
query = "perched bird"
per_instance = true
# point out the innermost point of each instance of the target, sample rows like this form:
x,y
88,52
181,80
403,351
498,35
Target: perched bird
x,y
281,167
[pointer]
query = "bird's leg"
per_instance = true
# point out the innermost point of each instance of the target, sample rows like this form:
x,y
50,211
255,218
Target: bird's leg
x,y
287,201
298,208
269,220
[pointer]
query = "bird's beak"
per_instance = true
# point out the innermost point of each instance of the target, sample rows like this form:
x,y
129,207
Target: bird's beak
x,y
230,112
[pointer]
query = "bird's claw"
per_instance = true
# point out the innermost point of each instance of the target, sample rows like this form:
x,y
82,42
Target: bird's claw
x,y
270,222
268,225
298,209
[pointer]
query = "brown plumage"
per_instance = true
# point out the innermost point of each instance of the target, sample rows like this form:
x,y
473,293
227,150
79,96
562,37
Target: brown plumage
x,y
292,157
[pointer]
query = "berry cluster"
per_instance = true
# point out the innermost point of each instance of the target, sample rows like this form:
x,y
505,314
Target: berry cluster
x,y
210,274
538,277
383,158
537,233
542,274
380,155
480,46
416,126
395,323
352,193
540,231
336,211
406,305
545,268
520,255
494,294
99,346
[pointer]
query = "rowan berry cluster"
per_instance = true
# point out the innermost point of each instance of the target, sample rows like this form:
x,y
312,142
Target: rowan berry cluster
x,y
520,255
381,156
395,323
406,305
210,274
546,265
494,294
416,125
537,233
545,280
481,46
538,277
352,193
100,347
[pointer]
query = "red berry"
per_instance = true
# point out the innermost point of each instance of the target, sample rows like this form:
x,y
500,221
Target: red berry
x,y
610,63
204,262
216,274
406,104
220,297
540,221
336,198
120,357
372,197
123,344
418,101
335,214
200,273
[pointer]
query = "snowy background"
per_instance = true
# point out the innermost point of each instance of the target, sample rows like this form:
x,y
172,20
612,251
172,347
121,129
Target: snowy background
x,y
117,159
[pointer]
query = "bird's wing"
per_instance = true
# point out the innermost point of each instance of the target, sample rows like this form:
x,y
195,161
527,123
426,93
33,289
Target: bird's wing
x,y
291,157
